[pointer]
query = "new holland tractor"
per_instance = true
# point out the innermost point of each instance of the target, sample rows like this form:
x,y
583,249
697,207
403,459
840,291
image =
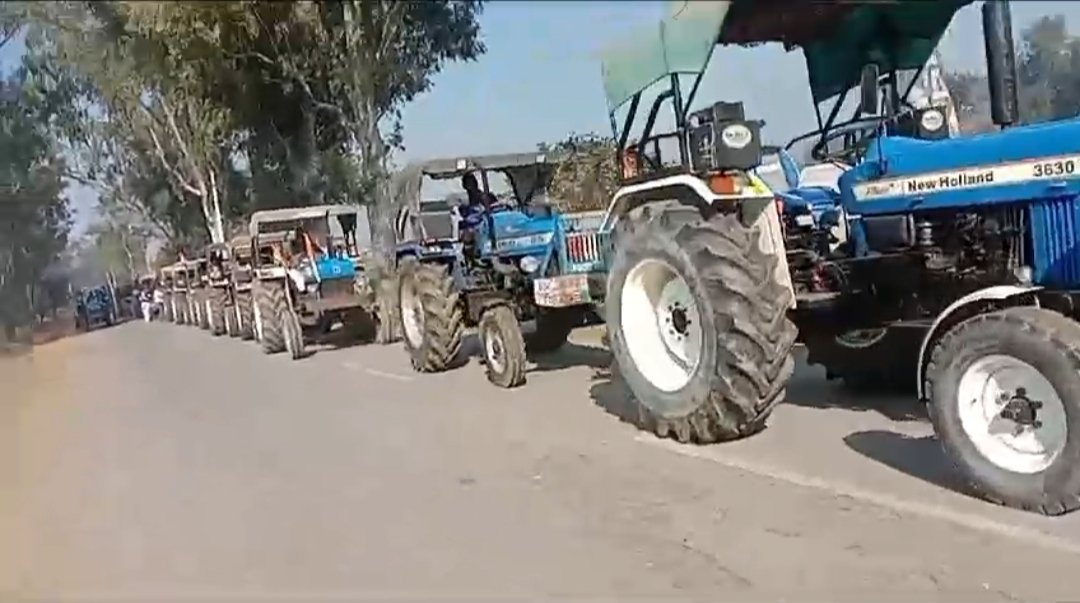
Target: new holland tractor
x,y
492,265
966,244
309,277
969,243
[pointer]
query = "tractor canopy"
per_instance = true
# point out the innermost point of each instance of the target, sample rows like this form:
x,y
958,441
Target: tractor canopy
x,y
272,220
838,39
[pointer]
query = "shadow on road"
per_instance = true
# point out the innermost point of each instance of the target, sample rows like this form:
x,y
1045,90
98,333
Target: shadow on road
x,y
810,389
918,457
571,355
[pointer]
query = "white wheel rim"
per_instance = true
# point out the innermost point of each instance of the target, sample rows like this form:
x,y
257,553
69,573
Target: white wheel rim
x,y
239,318
494,349
985,390
258,323
861,338
209,315
660,324
412,314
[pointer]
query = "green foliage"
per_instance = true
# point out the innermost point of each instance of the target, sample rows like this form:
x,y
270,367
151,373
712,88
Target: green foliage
x,y
586,176
1048,66
34,220
213,109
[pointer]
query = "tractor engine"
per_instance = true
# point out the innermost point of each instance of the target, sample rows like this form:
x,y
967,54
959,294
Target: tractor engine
x,y
913,265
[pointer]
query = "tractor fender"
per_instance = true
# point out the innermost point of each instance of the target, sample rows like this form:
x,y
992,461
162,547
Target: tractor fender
x,y
954,314
684,188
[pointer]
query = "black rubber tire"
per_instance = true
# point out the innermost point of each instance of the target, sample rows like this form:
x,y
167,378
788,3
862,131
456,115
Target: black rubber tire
x,y
181,303
216,311
271,299
166,308
887,365
746,358
247,315
444,320
499,322
1045,340
292,333
201,297
553,326
232,322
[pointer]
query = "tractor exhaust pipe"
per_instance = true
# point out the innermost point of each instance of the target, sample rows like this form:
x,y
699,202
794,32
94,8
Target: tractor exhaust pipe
x,y
1000,62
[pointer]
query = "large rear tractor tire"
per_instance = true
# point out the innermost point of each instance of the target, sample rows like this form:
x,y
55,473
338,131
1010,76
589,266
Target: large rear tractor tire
x,y
216,311
245,315
698,325
869,361
553,327
1004,393
270,301
431,315
504,347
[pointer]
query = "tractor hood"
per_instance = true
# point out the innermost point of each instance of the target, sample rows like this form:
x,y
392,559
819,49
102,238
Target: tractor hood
x,y
903,174
517,233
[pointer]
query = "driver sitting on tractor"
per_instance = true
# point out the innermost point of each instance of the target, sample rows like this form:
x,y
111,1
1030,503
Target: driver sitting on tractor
x,y
479,202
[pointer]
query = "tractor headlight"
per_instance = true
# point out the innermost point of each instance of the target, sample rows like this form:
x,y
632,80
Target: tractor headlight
x,y
736,136
932,120
529,264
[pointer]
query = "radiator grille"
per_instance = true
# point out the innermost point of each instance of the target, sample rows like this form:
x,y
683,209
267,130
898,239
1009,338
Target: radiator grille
x,y
1054,234
586,251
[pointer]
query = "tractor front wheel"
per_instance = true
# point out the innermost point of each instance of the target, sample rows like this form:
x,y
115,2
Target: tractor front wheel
x,y
432,320
504,347
698,326
1004,393
269,306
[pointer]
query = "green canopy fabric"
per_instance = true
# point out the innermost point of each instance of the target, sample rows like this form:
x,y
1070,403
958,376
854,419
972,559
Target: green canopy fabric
x,y
681,43
899,36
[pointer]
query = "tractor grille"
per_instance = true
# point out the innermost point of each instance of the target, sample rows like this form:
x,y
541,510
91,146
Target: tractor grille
x,y
585,251
1055,224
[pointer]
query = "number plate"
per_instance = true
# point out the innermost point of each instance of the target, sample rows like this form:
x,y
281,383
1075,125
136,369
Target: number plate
x,y
562,291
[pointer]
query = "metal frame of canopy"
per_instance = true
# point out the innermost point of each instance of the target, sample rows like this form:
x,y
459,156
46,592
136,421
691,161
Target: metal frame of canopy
x,y
683,42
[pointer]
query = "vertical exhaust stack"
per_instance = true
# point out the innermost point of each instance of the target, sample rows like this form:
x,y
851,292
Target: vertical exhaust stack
x,y
1000,62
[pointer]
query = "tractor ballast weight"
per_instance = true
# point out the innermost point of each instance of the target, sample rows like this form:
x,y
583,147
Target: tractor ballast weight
x,y
309,274
967,245
508,264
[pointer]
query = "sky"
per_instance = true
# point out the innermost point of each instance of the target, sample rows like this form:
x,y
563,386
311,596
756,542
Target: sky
x,y
540,78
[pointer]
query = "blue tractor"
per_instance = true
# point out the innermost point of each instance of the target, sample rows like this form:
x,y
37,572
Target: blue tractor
x,y
491,264
93,308
308,268
952,260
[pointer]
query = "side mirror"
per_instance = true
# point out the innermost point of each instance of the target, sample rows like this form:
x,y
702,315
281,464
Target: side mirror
x,y
869,100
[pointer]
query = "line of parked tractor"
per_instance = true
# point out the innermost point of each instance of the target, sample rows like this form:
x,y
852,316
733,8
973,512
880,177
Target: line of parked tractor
x,y
947,263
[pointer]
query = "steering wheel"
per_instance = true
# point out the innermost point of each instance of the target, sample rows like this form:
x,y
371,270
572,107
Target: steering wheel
x,y
856,135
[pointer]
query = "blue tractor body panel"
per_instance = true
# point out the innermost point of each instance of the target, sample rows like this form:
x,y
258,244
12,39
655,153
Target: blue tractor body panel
x,y
331,268
1035,169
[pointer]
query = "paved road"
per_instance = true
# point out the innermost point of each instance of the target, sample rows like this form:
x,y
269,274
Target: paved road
x,y
155,463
